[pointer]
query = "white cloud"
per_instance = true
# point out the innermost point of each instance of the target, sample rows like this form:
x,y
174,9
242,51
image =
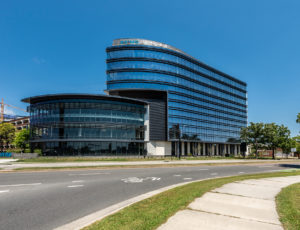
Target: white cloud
x,y
38,60
9,111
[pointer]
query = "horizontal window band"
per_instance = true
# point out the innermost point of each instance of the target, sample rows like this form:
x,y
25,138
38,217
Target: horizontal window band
x,y
205,121
176,85
175,75
86,125
177,65
86,140
207,114
210,128
207,101
209,135
206,107
187,58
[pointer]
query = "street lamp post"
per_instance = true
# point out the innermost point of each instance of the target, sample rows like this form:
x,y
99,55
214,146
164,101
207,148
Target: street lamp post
x,y
179,141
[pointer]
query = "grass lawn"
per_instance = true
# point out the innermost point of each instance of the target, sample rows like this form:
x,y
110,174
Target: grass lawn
x,y
288,207
152,212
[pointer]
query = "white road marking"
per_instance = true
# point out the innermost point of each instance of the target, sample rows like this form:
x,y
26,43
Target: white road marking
x,y
241,172
88,174
133,180
77,181
139,180
3,191
177,175
187,178
18,185
214,174
152,178
75,186
201,169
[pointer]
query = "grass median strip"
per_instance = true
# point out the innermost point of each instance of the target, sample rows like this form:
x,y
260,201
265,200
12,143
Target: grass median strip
x,y
288,207
152,212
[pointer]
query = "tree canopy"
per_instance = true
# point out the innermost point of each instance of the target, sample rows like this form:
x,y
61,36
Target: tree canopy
x,y
22,139
253,134
270,136
7,134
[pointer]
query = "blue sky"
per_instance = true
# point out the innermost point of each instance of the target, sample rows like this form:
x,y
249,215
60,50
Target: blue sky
x,y
59,46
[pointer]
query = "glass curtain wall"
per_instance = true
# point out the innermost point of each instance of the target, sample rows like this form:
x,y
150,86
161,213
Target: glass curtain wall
x,y
207,105
82,126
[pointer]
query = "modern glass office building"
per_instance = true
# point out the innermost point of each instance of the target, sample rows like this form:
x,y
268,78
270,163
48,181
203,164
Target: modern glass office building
x,y
204,108
161,101
84,124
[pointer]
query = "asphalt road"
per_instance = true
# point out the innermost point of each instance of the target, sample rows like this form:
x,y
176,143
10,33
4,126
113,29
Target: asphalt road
x,y
45,200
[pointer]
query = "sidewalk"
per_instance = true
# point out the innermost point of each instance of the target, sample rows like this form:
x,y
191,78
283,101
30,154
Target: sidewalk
x,y
14,165
248,204
5,161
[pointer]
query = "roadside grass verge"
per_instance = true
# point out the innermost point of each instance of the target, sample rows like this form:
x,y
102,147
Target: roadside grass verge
x,y
104,159
154,211
288,207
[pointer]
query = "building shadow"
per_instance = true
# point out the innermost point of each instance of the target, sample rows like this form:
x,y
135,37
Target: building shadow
x,y
294,166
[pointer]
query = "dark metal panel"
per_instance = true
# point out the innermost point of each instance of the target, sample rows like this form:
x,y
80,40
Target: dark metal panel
x,y
157,101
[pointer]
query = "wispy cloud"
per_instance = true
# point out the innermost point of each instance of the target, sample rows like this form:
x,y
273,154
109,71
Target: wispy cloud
x,y
38,60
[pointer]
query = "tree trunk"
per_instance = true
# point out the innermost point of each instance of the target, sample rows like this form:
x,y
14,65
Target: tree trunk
x,y
273,154
256,153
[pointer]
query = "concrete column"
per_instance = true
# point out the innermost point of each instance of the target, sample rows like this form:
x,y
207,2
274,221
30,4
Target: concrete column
x,y
217,146
204,152
222,151
235,150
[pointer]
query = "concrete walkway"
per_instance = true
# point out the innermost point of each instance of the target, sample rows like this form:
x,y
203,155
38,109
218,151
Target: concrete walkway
x,y
248,204
5,161
13,165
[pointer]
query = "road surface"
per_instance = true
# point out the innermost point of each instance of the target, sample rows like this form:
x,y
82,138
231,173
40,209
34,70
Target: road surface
x,y
45,200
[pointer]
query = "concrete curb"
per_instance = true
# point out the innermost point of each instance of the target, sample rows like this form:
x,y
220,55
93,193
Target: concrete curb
x,y
15,165
99,215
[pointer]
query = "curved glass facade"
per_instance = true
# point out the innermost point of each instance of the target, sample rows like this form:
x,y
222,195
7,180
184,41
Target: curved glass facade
x,y
209,106
87,126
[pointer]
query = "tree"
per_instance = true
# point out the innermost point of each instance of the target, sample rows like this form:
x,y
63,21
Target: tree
x,y
22,139
298,118
253,134
297,140
275,135
286,145
7,134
